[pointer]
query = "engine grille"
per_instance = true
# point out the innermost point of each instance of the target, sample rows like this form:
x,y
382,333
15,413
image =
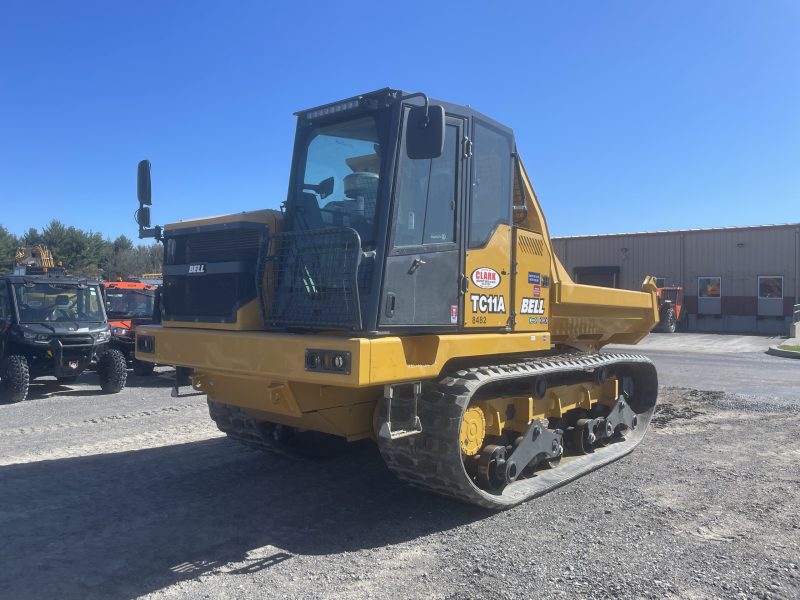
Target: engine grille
x,y
209,273
221,246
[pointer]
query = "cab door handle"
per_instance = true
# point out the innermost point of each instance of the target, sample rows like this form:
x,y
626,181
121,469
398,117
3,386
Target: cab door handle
x,y
390,302
415,265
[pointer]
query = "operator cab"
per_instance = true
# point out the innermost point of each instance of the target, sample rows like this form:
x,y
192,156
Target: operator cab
x,y
398,217
388,193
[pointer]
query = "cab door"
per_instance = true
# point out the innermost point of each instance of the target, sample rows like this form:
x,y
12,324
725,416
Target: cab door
x,y
423,265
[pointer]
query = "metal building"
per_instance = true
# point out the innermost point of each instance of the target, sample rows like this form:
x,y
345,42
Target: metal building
x,y
736,279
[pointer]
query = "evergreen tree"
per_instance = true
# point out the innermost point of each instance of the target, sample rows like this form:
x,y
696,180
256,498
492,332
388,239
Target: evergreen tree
x,y
84,252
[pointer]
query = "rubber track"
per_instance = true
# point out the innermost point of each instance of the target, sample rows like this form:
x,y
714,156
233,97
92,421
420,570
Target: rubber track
x,y
245,429
432,460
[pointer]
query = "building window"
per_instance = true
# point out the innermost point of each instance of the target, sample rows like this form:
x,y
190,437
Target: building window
x,y
770,286
600,276
709,287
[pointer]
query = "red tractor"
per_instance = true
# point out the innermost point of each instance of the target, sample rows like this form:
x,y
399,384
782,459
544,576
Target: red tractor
x,y
670,308
128,304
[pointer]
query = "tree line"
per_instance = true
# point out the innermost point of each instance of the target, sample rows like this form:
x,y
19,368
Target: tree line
x,y
84,252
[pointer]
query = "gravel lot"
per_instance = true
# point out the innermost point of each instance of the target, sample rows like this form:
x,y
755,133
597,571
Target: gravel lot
x,y
137,494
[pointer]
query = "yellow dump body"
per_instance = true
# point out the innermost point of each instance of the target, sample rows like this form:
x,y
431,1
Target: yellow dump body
x,y
590,317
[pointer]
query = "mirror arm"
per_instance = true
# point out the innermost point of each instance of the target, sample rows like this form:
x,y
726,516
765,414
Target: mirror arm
x,y
424,97
151,232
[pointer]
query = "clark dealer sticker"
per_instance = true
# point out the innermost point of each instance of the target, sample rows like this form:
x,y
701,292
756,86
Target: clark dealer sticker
x,y
486,278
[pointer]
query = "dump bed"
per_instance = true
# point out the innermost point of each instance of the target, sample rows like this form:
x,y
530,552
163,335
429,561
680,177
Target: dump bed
x,y
592,316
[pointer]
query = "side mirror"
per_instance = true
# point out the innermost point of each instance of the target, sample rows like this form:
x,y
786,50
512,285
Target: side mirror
x,y
143,192
143,184
425,132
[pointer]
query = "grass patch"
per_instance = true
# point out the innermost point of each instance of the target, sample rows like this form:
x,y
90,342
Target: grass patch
x,y
792,348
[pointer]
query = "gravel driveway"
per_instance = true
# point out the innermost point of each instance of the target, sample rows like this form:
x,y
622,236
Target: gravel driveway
x,y
138,495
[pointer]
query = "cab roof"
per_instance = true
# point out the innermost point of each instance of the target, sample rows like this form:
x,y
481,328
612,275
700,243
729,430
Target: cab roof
x,y
389,96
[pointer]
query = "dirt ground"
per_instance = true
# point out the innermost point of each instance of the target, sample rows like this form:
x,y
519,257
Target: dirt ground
x,y
138,495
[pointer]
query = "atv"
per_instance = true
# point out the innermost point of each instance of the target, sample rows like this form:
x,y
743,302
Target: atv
x,y
54,324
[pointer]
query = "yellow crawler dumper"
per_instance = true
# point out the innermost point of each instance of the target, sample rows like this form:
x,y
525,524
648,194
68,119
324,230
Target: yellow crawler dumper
x,y
407,292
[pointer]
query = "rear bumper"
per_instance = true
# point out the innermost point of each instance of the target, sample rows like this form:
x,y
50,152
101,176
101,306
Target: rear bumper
x,y
265,372
251,355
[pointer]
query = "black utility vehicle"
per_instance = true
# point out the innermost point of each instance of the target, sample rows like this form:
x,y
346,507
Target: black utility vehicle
x,y
54,324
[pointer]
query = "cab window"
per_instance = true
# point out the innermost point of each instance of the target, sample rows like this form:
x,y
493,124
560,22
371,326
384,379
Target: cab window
x,y
426,197
490,194
341,175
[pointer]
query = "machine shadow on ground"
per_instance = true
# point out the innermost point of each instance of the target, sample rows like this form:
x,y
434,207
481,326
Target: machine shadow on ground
x,y
49,387
121,525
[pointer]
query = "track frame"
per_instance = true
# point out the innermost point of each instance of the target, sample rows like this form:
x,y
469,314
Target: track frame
x,y
432,460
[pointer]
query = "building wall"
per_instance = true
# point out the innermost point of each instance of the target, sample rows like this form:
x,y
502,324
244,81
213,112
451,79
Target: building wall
x,y
737,255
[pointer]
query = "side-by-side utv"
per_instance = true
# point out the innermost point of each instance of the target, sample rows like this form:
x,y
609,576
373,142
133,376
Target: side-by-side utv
x,y
54,324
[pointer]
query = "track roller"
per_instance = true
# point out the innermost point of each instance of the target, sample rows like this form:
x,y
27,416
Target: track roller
x,y
492,467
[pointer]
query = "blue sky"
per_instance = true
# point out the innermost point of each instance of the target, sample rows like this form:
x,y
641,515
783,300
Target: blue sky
x,y
629,116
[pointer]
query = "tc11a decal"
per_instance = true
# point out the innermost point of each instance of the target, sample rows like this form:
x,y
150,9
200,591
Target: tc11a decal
x,y
488,304
486,278
532,306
